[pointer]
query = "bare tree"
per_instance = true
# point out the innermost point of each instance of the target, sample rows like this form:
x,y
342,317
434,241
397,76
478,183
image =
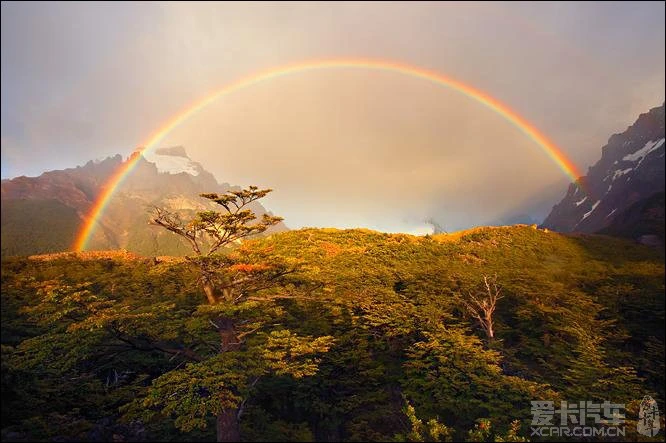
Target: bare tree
x,y
482,304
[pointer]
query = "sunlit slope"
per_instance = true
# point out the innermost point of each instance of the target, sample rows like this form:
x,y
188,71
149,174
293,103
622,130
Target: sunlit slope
x,y
549,280
581,314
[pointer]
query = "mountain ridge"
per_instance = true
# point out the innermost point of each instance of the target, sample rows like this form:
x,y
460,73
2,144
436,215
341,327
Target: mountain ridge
x,y
124,223
630,170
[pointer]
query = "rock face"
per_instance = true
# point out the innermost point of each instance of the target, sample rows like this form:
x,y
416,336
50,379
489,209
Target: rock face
x,y
643,221
43,214
629,173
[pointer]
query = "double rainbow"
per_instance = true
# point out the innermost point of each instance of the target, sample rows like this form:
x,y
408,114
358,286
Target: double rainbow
x,y
112,184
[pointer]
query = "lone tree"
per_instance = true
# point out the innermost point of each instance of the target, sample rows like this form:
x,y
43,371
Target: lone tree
x,y
230,286
156,351
481,305
210,231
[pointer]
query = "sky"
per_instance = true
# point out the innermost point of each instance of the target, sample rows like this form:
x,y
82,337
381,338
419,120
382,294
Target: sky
x,y
341,147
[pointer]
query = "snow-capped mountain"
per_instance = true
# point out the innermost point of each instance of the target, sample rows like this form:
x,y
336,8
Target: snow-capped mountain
x,y
44,214
631,169
173,161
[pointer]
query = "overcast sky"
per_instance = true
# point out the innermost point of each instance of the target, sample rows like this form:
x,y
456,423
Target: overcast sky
x,y
341,148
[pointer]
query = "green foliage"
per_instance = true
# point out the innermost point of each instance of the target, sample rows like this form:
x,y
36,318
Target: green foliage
x,y
193,394
433,430
483,431
288,354
24,231
208,231
450,374
353,324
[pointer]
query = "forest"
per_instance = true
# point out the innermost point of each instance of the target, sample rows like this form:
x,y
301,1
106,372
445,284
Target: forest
x,y
328,334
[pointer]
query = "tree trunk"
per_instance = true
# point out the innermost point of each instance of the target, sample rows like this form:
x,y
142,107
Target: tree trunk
x,y
227,295
228,338
228,425
209,290
489,326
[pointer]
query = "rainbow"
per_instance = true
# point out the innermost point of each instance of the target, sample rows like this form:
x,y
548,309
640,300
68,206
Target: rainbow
x,y
112,184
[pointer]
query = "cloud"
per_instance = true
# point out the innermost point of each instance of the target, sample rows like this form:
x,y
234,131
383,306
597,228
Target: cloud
x,y
82,81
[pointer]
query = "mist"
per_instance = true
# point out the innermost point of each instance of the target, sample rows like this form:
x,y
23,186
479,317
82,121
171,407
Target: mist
x,y
341,147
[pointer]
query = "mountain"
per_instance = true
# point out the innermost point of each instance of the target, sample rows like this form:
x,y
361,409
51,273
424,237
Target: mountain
x,y
643,221
43,214
620,188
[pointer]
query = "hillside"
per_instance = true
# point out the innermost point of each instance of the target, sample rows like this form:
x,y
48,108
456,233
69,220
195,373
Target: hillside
x,y
43,214
21,238
581,319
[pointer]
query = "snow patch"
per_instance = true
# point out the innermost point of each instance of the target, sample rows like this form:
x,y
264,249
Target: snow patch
x,y
594,206
644,151
621,172
170,164
578,203
611,213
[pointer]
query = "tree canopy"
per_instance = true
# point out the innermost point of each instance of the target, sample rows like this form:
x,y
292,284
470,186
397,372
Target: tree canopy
x,y
367,338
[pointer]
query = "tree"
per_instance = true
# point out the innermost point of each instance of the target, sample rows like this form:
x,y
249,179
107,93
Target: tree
x,y
433,430
482,304
221,229
450,375
86,334
227,283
